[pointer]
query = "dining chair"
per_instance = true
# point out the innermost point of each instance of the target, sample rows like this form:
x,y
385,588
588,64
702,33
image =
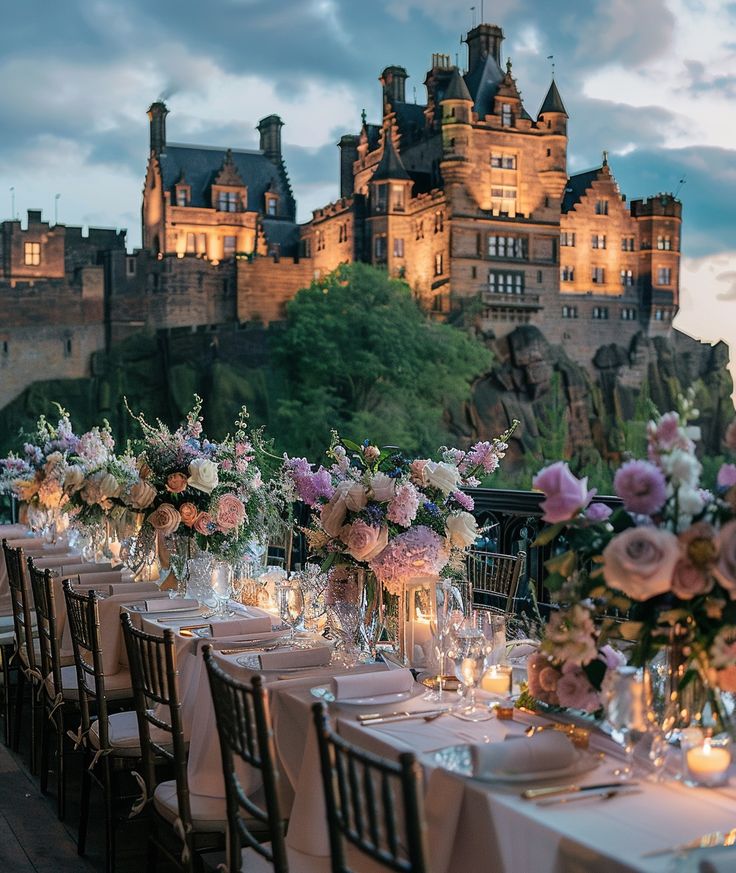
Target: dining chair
x,y
109,741
54,695
246,734
367,800
494,579
26,654
183,826
7,647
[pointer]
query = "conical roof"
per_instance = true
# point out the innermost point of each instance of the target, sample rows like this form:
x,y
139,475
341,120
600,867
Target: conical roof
x,y
390,165
553,101
457,89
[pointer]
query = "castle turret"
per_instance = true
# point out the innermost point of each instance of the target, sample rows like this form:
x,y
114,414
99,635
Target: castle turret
x,y
348,146
552,120
659,218
270,130
393,80
483,40
457,117
157,113
553,114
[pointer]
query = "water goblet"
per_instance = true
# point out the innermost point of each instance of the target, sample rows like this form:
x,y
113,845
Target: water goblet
x,y
627,704
222,587
468,653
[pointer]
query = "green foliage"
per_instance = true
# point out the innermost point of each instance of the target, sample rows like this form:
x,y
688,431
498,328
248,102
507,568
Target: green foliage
x,y
358,355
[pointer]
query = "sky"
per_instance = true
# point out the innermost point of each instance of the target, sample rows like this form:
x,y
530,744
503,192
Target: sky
x,y
651,81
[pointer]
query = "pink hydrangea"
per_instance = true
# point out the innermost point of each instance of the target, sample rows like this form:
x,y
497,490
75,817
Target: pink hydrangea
x,y
575,691
641,486
417,552
402,509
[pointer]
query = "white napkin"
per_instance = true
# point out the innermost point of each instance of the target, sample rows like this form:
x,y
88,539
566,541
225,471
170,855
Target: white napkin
x,y
94,580
136,589
168,604
73,567
372,684
231,627
548,750
52,562
317,656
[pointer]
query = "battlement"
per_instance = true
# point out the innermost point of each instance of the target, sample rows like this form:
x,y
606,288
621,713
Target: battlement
x,y
655,205
337,207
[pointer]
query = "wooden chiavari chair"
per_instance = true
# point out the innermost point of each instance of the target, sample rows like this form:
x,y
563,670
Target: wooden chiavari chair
x,y
494,579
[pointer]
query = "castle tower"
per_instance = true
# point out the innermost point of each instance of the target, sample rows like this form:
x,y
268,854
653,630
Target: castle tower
x,y
270,130
393,79
390,191
457,133
659,219
552,119
157,113
483,41
348,146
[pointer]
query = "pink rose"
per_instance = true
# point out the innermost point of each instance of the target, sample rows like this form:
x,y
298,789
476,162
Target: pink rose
x,y
542,678
575,691
230,513
565,495
725,568
165,519
189,514
727,476
332,515
640,560
176,482
383,487
689,581
205,524
363,541
371,453
417,471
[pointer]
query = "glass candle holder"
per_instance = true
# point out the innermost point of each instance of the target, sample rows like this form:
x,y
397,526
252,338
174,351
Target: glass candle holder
x,y
497,679
706,760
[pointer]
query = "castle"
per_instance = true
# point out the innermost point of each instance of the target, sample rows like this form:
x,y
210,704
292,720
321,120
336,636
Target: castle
x,y
466,197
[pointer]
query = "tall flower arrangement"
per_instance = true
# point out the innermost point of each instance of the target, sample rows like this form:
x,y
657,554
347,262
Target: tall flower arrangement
x,y
211,492
396,516
665,563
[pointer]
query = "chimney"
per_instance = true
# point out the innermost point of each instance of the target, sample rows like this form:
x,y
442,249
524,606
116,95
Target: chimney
x,y
157,113
270,131
393,80
483,40
348,146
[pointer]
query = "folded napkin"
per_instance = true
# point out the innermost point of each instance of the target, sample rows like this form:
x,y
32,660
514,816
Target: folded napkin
x,y
372,684
137,589
51,562
548,750
317,656
168,604
12,531
94,580
73,567
232,627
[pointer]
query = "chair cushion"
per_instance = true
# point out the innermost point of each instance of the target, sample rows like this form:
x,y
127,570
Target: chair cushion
x,y
123,734
117,687
208,813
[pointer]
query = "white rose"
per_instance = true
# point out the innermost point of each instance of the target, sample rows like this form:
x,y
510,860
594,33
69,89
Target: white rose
x,y
354,494
442,476
462,529
682,467
73,478
203,475
141,495
383,487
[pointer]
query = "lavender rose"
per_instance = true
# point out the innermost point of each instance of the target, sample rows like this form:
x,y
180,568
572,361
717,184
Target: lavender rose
x,y
597,512
364,542
640,560
164,519
725,568
726,476
641,486
565,495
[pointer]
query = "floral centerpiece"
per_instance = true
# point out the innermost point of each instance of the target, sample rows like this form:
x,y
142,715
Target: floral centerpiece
x,y
660,569
211,493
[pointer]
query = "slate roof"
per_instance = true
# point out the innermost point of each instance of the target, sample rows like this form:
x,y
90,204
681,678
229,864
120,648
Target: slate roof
x,y
285,234
457,89
390,165
410,118
483,83
200,165
576,187
553,101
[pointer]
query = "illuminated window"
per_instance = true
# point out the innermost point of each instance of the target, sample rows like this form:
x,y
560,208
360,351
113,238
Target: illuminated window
x,y
439,221
511,247
627,277
627,243
628,313
420,230
398,194
182,196
320,240
505,283
601,207
661,315
398,247
228,246
439,264
664,276
507,118
567,238
191,245
228,201
664,243
598,241
567,274
272,204
32,254
503,162
569,312
598,275
600,313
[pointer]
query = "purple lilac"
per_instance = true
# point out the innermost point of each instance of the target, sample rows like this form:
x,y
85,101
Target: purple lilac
x,y
464,501
641,486
482,454
310,486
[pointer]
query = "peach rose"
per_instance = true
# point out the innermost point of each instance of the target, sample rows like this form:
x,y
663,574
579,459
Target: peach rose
x,y
640,560
176,482
417,471
25,489
189,514
363,541
726,679
165,519
332,514
205,524
725,569
141,495
689,581
230,513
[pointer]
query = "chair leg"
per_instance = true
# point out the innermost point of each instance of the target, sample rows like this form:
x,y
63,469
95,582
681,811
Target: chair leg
x,y
109,818
60,766
84,804
20,688
35,710
6,655
44,763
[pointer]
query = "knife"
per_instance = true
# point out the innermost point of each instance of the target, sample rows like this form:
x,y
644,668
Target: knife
x,y
534,793
400,716
707,841
601,794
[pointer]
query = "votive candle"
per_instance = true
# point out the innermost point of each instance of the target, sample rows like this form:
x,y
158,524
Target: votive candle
x,y
497,679
708,764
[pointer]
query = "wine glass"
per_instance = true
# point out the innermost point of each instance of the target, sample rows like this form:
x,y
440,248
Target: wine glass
x,y
627,701
290,602
222,587
440,627
468,653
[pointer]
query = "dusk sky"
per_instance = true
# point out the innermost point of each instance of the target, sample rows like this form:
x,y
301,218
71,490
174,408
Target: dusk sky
x,y
651,81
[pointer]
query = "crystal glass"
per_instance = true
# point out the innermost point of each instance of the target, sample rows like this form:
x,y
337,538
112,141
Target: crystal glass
x,y
313,583
441,630
290,602
493,627
344,619
628,704
468,654
200,577
221,581
245,584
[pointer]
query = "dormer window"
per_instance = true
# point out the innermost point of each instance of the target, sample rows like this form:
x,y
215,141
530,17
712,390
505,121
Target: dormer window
x,y
228,201
272,205
507,118
183,195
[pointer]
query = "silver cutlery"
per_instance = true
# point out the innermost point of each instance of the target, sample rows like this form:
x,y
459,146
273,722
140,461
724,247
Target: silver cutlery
x,y
590,795
707,841
245,646
426,714
534,793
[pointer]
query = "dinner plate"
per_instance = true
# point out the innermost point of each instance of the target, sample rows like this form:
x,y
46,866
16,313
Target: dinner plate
x,y
324,692
458,759
241,640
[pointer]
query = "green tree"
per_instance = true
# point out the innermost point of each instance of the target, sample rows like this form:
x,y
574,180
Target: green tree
x,y
358,354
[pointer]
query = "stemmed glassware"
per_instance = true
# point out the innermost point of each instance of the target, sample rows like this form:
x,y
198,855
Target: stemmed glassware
x,y
468,652
221,582
627,704
441,627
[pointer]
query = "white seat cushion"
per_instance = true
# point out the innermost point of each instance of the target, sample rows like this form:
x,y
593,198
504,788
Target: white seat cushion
x,y
208,813
117,687
122,732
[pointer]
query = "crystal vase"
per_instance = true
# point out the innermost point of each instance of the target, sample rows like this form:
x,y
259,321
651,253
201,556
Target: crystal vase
x,y
353,599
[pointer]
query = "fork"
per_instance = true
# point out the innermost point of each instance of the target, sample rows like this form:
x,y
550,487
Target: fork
x,y
707,841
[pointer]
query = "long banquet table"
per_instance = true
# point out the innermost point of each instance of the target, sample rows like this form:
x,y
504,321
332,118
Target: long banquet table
x,y
472,825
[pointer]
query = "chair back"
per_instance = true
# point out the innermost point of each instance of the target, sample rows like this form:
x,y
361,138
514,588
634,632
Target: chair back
x,y
245,731
367,799
84,627
21,606
42,587
494,579
155,679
